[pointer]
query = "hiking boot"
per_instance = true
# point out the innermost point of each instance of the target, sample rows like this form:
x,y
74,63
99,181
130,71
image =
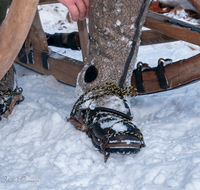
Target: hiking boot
x,y
10,94
103,111
64,40
111,130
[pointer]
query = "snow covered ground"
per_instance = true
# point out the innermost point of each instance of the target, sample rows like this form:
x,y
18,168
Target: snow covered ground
x,y
178,3
41,151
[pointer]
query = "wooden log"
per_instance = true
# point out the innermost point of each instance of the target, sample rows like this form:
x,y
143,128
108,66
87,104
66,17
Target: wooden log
x,y
14,30
157,22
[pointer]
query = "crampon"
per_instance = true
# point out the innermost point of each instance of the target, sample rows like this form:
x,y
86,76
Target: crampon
x,y
111,131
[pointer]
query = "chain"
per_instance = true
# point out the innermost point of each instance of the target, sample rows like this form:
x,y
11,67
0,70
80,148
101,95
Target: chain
x,y
7,93
112,90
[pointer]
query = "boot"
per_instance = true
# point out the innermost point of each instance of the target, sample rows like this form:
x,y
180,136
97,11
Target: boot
x,y
64,40
103,111
10,94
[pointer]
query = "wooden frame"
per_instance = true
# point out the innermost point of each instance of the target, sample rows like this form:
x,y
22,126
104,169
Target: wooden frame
x,y
66,69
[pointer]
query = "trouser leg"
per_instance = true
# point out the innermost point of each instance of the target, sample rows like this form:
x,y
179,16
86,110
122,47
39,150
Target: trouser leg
x,y
3,9
103,111
115,27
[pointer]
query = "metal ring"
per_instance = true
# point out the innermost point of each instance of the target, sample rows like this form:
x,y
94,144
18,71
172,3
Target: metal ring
x,y
140,65
161,61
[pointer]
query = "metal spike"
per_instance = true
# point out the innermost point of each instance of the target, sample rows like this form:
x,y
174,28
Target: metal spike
x,y
106,156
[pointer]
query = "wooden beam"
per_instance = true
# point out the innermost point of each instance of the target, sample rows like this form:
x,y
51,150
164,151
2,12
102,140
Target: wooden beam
x,y
177,74
66,70
150,37
14,30
62,68
157,22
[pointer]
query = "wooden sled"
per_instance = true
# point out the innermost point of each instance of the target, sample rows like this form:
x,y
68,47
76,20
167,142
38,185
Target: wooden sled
x,y
39,58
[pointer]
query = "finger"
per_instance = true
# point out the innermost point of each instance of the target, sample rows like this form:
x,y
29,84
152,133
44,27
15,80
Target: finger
x,y
64,2
86,15
82,9
74,12
72,8
87,4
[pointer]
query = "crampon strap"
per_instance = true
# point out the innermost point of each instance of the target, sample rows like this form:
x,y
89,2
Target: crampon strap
x,y
109,90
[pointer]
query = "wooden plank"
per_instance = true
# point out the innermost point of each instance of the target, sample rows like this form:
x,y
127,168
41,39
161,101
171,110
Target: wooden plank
x,y
66,70
156,22
62,68
37,36
150,37
14,30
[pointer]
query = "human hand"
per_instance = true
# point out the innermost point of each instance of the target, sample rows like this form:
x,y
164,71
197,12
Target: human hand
x,y
77,8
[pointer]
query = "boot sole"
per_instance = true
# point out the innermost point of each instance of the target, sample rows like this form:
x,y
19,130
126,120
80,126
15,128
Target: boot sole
x,y
120,147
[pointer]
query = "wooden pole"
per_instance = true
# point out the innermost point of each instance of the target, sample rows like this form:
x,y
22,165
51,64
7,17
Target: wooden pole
x,y
83,35
37,35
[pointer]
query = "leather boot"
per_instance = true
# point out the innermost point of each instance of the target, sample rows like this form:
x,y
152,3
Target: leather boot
x,y
103,110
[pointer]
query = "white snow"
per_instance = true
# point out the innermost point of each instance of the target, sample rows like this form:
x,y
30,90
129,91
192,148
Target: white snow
x,y
118,23
40,150
178,3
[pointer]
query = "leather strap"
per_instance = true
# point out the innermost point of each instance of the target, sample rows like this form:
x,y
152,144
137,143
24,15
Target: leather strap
x,y
168,77
134,43
102,109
